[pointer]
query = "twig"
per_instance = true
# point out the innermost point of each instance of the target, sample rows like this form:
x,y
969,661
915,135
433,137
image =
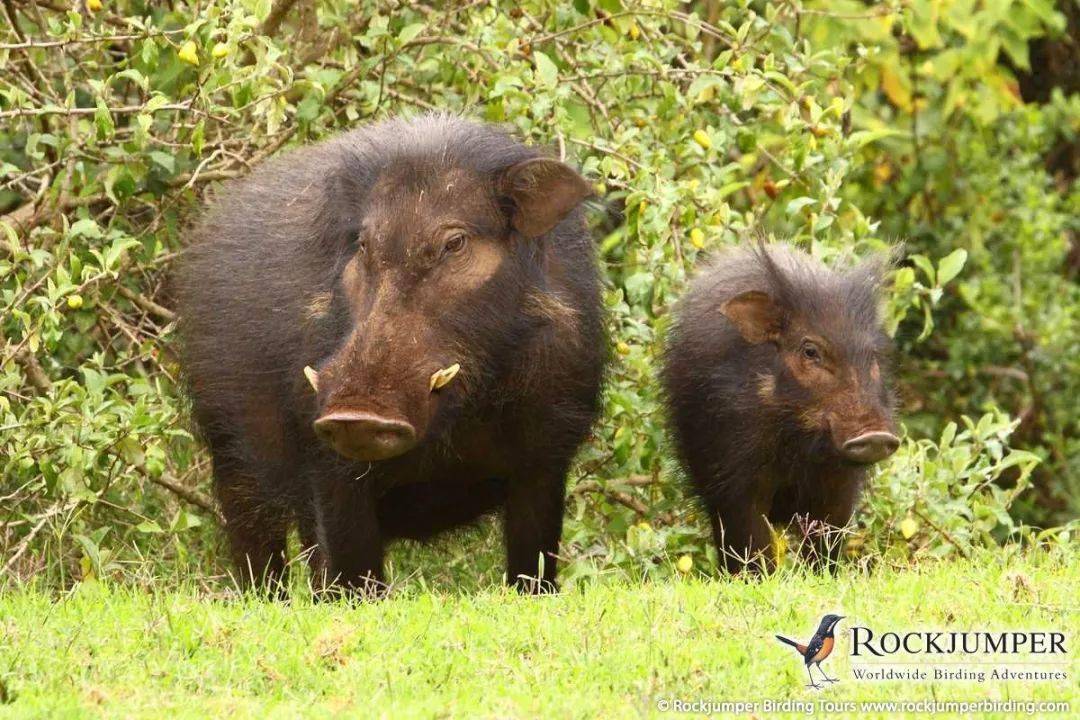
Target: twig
x,y
411,100
125,110
941,531
34,372
277,15
25,542
624,498
147,304
194,497
31,43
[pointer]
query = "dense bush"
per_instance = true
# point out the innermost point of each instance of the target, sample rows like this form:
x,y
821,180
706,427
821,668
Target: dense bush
x,y
841,127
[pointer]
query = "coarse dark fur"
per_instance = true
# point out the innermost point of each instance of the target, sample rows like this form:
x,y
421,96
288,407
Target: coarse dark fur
x,y
378,258
773,365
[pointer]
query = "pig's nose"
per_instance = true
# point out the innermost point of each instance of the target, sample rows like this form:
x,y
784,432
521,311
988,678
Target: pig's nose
x,y
365,436
871,447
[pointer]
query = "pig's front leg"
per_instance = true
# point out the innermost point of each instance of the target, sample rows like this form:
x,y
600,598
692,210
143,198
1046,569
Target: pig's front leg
x,y
741,534
532,526
826,519
349,538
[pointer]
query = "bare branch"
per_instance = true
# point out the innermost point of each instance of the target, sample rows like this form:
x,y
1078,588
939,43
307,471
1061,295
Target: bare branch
x,y
147,304
190,495
31,43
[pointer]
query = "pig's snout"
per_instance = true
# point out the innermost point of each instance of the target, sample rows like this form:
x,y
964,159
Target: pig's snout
x,y
870,447
365,436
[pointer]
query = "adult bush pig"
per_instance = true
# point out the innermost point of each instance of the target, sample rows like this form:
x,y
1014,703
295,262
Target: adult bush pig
x,y
388,335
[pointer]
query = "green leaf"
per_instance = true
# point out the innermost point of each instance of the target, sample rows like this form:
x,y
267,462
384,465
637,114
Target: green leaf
x,y
135,76
798,204
155,102
409,32
862,138
85,228
131,451
546,70
1016,48
923,263
198,137
731,187
103,121
700,85
164,160
951,265
639,286
922,22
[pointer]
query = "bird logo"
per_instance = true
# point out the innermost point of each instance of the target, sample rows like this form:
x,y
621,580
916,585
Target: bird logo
x,y
819,647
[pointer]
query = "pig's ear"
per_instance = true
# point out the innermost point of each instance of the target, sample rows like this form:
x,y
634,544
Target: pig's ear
x,y
755,315
543,192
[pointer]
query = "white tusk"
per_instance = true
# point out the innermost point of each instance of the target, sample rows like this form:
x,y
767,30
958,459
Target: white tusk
x,y
312,377
440,378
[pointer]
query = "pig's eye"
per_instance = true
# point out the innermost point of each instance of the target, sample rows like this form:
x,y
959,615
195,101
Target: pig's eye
x,y
361,245
454,244
810,351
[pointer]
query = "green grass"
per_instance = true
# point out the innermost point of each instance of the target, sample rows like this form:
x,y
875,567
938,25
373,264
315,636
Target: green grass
x,y
610,648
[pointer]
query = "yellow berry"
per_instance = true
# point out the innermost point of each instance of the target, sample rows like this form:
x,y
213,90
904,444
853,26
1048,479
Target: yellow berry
x,y
685,564
220,50
93,5
189,53
882,173
702,138
622,348
74,301
697,238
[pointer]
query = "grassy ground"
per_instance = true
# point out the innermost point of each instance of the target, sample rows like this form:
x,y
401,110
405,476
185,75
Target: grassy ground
x,y
613,649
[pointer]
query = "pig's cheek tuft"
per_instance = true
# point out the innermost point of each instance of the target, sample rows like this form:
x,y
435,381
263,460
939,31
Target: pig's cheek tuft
x,y
813,419
766,389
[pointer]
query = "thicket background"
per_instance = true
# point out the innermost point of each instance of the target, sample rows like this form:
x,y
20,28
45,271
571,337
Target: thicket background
x,y
952,126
